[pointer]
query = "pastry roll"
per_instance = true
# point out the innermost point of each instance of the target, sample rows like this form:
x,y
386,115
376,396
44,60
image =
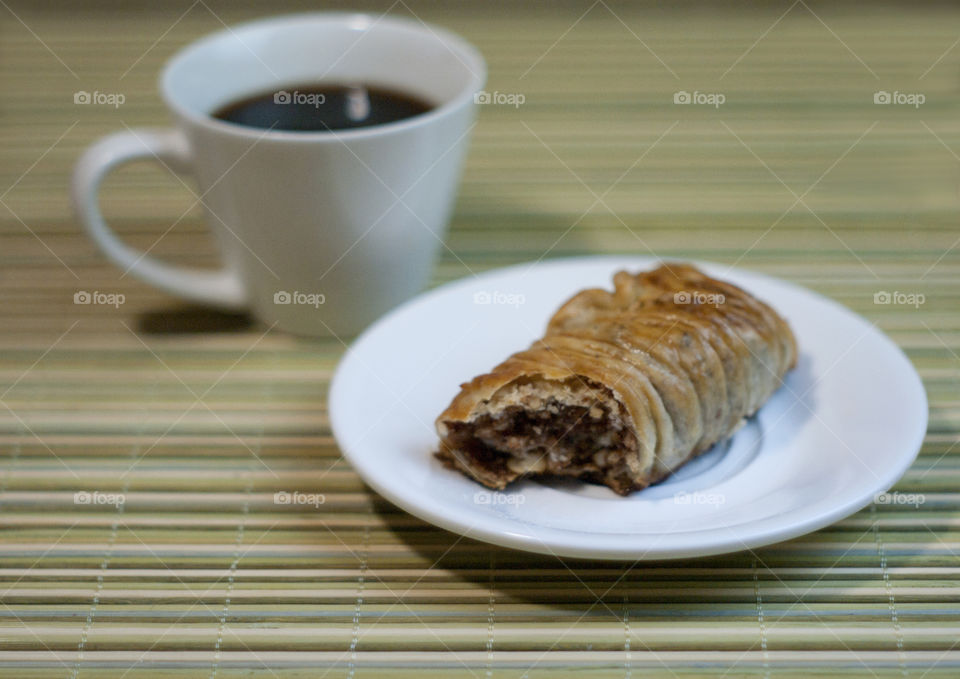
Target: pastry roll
x,y
625,386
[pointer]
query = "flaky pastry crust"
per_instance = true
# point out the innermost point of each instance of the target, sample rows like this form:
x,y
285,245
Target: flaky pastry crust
x,y
625,386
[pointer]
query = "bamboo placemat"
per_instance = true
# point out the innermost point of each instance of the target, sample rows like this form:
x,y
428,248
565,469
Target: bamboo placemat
x,y
198,419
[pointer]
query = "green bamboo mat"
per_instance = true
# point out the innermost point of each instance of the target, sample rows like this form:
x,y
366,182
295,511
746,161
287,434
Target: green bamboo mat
x,y
199,574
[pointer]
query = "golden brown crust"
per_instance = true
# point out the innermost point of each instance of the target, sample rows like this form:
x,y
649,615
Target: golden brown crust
x,y
674,359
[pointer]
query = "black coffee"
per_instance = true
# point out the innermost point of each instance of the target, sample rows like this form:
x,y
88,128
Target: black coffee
x,y
318,107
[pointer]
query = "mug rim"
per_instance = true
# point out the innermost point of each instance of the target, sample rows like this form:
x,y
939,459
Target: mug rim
x,y
457,44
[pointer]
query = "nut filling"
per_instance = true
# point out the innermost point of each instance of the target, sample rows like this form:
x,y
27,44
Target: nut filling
x,y
556,438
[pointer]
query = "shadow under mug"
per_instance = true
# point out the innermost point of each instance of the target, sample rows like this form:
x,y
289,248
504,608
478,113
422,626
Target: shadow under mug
x,y
320,232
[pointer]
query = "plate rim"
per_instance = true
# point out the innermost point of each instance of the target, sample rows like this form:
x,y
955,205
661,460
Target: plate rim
x,y
529,541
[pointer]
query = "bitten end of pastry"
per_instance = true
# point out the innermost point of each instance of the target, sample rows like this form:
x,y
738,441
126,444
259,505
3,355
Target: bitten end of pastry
x,y
560,427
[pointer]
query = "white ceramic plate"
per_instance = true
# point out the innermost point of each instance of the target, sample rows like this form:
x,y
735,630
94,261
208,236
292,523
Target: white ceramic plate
x,y
845,426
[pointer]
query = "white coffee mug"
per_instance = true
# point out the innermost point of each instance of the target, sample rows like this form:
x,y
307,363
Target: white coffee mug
x,y
320,232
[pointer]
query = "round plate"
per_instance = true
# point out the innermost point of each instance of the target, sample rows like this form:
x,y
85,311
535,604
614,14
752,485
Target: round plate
x,y
846,424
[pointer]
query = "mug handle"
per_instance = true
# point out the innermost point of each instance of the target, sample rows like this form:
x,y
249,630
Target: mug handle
x,y
217,288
